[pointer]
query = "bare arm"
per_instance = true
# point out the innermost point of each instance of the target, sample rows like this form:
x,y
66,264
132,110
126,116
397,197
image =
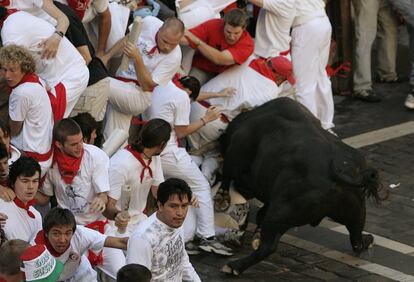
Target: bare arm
x,y
111,211
184,130
224,58
15,127
226,92
258,3
154,190
117,243
104,29
51,44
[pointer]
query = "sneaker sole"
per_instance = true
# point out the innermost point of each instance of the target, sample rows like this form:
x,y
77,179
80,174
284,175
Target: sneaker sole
x,y
209,249
193,252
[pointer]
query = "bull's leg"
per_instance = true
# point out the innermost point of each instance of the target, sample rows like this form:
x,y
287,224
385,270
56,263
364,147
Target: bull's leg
x,y
270,235
259,220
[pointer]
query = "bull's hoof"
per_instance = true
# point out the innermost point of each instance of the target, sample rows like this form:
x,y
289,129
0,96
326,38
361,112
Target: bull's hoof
x,y
221,201
229,270
367,242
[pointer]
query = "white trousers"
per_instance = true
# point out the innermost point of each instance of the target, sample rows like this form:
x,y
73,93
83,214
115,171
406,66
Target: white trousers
x,y
75,84
178,163
125,101
310,53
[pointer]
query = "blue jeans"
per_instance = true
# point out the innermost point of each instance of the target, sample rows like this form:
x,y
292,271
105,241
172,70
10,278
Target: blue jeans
x,y
406,9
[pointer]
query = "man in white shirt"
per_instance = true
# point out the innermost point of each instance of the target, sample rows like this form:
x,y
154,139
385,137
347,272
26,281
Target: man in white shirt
x,y
22,221
311,40
30,111
138,166
69,243
158,242
66,74
79,180
273,27
172,103
154,60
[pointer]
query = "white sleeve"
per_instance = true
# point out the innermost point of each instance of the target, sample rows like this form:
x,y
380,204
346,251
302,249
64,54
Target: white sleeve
x,y
165,71
47,187
91,239
100,5
117,180
139,251
18,106
189,273
158,173
279,7
182,112
100,175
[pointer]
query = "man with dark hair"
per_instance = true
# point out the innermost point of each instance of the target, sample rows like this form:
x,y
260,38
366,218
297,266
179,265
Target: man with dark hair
x,y
10,261
220,44
158,242
88,125
172,104
138,166
22,220
69,243
79,179
14,153
133,273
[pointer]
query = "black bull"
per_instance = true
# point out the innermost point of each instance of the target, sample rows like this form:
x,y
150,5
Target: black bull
x,y
279,154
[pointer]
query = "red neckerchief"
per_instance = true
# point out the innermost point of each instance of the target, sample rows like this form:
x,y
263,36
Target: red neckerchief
x,y
68,166
26,207
153,49
41,239
176,80
8,12
58,102
261,67
145,166
80,7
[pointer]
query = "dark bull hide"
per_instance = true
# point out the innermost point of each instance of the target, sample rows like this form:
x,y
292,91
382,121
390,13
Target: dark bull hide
x,y
279,154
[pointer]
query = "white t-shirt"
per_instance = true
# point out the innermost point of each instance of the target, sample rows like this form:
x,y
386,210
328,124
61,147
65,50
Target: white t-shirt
x,y
94,8
307,10
92,179
171,104
161,66
125,170
273,27
76,265
14,154
30,104
19,225
27,30
253,89
161,249
33,7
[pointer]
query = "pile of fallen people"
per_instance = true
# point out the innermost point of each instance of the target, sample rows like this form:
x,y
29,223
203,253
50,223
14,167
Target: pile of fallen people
x,y
109,152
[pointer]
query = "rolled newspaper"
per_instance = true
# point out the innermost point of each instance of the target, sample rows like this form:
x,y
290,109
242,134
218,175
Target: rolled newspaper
x,y
124,202
133,38
117,138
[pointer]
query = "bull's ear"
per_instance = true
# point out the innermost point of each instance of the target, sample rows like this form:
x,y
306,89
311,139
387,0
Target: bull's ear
x,y
347,170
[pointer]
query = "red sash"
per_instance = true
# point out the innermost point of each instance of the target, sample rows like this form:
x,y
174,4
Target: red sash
x,y
40,157
98,225
68,166
207,105
80,7
145,166
58,101
127,80
26,207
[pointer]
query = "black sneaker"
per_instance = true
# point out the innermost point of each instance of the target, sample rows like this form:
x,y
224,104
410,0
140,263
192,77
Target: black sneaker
x,y
214,246
192,248
367,96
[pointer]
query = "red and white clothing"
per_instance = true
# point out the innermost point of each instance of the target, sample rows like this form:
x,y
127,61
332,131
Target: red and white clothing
x,y
21,223
311,39
33,7
127,98
172,104
29,103
125,170
273,27
161,66
91,179
67,69
76,265
253,87
212,33
161,249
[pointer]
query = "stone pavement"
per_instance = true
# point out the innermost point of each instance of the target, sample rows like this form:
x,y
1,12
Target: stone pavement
x,y
393,219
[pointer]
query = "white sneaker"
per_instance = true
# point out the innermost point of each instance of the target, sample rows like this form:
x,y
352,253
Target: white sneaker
x,y
409,101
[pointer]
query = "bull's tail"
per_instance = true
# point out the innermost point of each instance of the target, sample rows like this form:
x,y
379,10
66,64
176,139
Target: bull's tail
x,y
372,185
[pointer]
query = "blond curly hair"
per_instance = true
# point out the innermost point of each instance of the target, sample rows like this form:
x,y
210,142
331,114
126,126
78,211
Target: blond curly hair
x,y
19,55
